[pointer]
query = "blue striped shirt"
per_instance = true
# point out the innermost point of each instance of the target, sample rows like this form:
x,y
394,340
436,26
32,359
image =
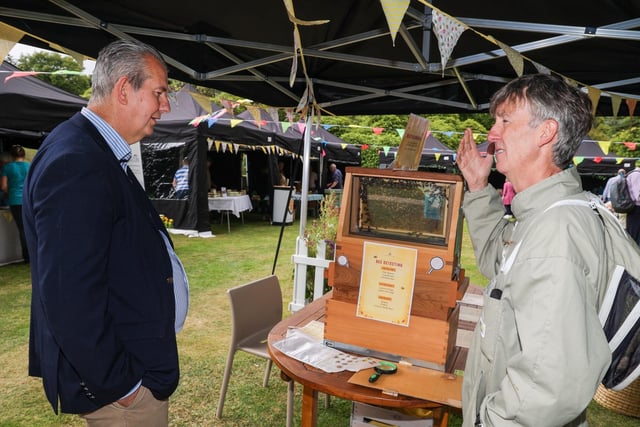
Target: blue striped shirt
x,y
182,178
118,145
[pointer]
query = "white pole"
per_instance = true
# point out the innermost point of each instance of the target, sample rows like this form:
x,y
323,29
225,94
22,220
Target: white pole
x,y
300,273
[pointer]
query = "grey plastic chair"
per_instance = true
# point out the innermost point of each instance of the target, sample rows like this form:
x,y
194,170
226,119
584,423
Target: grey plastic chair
x,y
256,307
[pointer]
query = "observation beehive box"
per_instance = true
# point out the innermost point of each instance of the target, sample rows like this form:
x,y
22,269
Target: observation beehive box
x,y
396,278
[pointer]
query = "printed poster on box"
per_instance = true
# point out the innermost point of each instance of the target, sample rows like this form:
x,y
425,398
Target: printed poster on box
x,y
386,283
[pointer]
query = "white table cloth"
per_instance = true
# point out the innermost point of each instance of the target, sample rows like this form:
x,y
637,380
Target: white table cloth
x,y
233,204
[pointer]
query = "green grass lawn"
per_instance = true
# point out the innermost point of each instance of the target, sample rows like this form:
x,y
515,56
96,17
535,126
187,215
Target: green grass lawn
x,y
213,265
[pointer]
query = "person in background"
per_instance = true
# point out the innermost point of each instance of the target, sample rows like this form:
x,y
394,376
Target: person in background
x,y
538,352
11,183
313,179
109,293
633,217
181,180
606,195
335,182
283,181
507,197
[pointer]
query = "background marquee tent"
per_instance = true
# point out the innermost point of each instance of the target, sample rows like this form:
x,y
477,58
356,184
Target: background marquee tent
x,y
31,108
174,139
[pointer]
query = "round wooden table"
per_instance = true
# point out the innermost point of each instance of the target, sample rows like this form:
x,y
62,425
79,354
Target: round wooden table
x,y
335,384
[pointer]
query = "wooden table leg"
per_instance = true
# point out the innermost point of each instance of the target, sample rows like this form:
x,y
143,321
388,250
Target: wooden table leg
x,y
309,407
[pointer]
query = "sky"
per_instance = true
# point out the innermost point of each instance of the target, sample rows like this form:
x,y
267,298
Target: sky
x,y
22,49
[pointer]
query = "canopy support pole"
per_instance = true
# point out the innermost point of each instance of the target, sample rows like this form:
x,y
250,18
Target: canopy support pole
x,y
300,271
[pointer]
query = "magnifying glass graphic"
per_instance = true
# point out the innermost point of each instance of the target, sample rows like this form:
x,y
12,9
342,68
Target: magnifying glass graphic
x,y
383,368
436,263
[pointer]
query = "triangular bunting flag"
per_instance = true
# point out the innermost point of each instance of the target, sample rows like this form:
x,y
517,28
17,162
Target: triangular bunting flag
x,y
542,69
597,159
285,126
437,157
344,146
229,105
594,96
301,127
273,113
631,104
394,11
235,122
202,100
577,160
9,36
515,58
630,145
447,31
377,131
615,104
236,148
385,150
255,113
400,132
605,146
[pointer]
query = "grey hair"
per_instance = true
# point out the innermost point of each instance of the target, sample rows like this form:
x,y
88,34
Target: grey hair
x,y
549,97
117,59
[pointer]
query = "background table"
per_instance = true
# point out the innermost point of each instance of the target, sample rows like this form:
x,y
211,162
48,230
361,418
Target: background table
x,y
336,384
231,204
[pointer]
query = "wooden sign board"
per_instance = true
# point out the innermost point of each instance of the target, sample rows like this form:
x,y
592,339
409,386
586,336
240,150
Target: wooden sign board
x,y
410,150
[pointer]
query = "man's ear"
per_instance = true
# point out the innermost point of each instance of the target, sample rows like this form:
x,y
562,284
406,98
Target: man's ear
x,y
548,132
121,90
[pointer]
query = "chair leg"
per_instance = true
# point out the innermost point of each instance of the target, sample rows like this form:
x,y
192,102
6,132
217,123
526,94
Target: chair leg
x,y
290,396
267,372
225,382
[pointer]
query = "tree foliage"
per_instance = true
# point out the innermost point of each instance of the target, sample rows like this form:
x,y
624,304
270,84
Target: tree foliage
x,y
50,62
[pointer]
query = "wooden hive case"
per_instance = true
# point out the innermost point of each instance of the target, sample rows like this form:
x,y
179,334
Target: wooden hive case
x,y
402,209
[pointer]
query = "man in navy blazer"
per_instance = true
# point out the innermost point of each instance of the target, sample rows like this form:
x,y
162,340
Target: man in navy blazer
x,y
109,293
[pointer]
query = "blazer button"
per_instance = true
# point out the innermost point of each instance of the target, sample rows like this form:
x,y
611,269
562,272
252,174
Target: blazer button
x,y
170,280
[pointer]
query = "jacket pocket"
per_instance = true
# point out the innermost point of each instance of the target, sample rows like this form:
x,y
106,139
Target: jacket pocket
x,y
490,321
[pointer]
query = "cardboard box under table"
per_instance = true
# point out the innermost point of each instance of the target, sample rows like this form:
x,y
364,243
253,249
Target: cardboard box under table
x,y
397,279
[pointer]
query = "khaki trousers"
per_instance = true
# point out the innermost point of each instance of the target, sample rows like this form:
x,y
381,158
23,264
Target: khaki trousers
x,y
145,410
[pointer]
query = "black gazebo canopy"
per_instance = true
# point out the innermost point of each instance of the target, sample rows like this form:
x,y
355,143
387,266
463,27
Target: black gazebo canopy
x,y
246,47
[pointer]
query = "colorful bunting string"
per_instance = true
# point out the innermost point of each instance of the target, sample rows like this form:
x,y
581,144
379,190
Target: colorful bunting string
x,y
16,74
605,146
